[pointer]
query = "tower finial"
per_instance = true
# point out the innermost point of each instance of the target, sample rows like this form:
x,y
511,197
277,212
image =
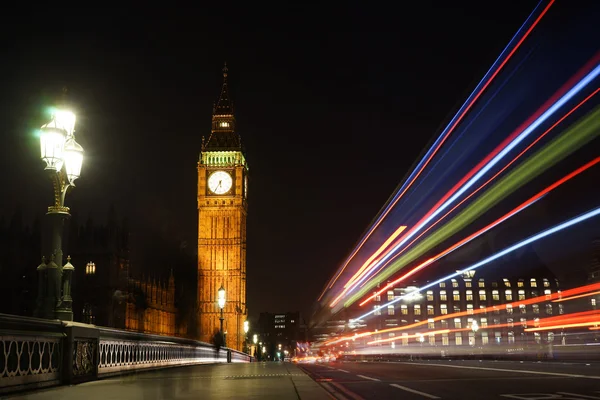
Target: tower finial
x,y
225,71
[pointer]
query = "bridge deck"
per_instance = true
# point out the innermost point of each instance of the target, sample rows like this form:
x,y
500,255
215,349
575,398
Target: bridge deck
x,y
219,381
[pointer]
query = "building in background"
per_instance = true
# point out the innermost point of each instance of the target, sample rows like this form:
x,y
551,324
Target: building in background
x,y
280,333
222,210
104,292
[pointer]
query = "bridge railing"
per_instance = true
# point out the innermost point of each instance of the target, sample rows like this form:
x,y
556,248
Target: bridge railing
x,y
38,352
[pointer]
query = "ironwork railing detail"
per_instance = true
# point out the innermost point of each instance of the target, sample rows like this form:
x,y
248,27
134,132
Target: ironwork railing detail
x,y
29,360
123,355
36,352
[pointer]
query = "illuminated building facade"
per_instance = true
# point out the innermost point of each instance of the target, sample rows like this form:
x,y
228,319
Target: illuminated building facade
x,y
222,210
450,311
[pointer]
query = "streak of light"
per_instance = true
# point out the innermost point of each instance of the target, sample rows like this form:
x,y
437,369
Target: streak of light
x,y
576,89
534,238
570,140
495,175
577,325
516,304
516,210
445,134
575,297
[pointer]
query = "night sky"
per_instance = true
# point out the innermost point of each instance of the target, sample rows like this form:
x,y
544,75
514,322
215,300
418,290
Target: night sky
x,y
333,106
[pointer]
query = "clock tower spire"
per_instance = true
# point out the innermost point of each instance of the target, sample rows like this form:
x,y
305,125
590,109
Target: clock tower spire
x,y
222,210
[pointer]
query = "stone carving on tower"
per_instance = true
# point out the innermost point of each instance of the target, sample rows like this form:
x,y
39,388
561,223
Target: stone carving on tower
x,y
222,210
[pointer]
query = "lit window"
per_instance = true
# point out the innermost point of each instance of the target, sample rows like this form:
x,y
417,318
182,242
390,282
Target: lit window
x,y
456,295
457,323
510,322
430,310
520,283
469,295
454,283
405,339
377,310
90,268
378,297
522,308
536,309
456,308
533,282
593,302
498,336
417,309
548,308
432,339
468,283
430,295
224,124
482,295
444,339
546,283
561,309
444,324
430,323
390,295
484,338
506,282
524,322
481,283
469,308
458,338
391,310
508,294
403,309
495,295
443,309
443,296
484,322
511,337
509,309
536,322
443,284
521,295
547,292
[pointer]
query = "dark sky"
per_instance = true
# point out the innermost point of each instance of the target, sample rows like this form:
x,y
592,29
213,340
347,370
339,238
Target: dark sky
x,y
333,105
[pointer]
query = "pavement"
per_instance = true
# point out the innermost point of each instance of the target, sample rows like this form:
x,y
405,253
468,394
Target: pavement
x,y
460,380
220,381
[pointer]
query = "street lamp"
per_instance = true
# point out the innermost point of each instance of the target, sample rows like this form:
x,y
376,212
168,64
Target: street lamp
x,y
221,302
246,329
63,157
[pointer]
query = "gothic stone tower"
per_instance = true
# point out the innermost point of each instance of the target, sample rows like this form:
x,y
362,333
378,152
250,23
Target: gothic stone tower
x,y
222,209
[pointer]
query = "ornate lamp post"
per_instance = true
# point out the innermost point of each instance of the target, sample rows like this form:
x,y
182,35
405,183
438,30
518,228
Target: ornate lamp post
x,y
246,329
221,302
63,157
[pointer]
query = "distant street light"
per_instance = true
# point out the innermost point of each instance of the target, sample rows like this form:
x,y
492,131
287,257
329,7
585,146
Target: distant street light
x,y
63,157
221,302
255,338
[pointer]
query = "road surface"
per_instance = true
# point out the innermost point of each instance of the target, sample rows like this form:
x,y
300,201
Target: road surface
x,y
458,380
219,381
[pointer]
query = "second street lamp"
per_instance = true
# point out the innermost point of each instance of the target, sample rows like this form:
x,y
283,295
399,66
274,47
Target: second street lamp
x,y
221,303
63,157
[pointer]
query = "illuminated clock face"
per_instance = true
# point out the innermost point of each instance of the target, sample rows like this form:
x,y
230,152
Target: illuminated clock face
x,y
220,182
246,187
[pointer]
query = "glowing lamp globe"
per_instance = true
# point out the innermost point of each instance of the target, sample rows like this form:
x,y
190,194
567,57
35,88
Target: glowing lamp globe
x,y
246,326
73,157
221,299
65,120
52,141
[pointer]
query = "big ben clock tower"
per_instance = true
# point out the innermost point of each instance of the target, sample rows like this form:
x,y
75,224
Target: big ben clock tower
x,y
222,209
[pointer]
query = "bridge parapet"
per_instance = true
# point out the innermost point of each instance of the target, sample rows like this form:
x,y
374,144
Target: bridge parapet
x,y
37,352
